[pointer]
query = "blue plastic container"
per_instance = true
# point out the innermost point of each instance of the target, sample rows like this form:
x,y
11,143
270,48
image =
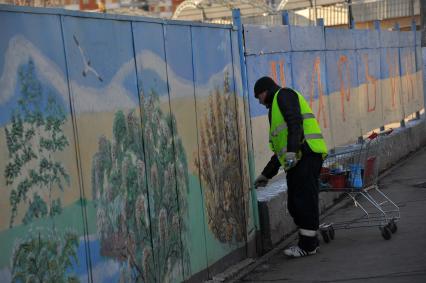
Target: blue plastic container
x,y
355,176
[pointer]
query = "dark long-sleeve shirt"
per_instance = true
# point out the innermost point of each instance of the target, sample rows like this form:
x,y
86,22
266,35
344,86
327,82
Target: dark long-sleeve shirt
x,y
288,103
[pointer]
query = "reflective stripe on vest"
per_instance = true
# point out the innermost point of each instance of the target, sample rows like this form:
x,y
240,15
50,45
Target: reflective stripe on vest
x,y
278,131
313,136
284,125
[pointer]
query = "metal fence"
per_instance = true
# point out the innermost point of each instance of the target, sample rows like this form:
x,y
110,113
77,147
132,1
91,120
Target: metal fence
x,y
337,14
385,9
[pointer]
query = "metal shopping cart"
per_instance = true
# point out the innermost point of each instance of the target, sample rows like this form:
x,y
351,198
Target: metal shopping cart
x,y
355,173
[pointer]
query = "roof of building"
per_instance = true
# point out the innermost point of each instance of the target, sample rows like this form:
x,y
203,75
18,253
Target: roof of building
x,y
129,11
203,10
300,4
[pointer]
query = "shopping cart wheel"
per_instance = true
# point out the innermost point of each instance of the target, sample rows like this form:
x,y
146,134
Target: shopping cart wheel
x,y
392,226
386,233
325,236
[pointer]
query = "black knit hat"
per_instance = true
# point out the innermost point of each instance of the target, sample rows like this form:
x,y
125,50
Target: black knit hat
x,y
262,84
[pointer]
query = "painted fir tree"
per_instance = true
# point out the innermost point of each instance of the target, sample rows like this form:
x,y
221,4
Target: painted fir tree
x,y
33,137
222,170
141,198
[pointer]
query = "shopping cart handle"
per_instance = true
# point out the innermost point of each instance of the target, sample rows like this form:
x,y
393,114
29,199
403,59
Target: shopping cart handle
x,y
387,132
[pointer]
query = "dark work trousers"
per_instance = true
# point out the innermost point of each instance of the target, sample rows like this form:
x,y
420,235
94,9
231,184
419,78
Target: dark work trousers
x,y
302,195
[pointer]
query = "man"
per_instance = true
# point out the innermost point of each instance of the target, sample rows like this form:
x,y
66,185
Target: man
x,y
298,145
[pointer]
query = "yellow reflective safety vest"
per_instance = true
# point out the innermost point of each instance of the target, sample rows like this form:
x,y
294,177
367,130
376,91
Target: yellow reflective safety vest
x,y
278,131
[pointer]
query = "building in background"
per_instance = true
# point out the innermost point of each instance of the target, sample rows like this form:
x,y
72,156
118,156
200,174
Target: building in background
x,y
220,11
153,8
89,5
335,13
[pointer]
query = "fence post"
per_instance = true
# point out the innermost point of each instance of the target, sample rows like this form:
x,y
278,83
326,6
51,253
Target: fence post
x,y
352,26
320,22
413,28
377,28
285,17
377,25
397,28
238,26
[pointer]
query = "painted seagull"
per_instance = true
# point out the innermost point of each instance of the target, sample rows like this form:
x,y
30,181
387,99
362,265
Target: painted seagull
x,y
87,67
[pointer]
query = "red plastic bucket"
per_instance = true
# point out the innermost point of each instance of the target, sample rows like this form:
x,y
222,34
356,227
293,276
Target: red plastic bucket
x,y
325,174
369,166
337,181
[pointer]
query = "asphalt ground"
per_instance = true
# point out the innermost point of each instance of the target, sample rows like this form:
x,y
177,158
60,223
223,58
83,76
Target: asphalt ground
x,y
362,254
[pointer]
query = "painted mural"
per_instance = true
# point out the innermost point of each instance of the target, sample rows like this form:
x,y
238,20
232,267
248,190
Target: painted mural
x,y
134,167
170,182
168,188
42,231
212,59
182,103
246,143
123,213
33,174
33,137
220,144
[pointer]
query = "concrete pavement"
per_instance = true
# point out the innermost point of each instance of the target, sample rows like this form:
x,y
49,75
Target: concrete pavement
x,y
362,255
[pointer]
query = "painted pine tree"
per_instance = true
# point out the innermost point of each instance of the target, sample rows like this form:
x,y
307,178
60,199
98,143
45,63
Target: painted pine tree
x,y
33,137
222,172
138,226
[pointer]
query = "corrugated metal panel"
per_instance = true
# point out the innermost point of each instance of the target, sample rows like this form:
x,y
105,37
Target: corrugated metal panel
x,y
366,38
262,40
307,38
339,39
389,38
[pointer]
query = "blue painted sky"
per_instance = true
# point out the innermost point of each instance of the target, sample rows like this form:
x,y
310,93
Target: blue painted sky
x,y
40,32
103,269
149,37
179,50
107,44
179,60
212,52
44,31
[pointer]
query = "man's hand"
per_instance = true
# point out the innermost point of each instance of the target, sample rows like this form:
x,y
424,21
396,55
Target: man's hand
x,y
290,160
260,181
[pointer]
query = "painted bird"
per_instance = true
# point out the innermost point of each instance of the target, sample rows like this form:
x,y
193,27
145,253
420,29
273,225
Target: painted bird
x,y
87,67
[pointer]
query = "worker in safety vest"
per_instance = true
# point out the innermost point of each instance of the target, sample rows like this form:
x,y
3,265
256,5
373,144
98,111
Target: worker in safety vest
x,y
298,145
